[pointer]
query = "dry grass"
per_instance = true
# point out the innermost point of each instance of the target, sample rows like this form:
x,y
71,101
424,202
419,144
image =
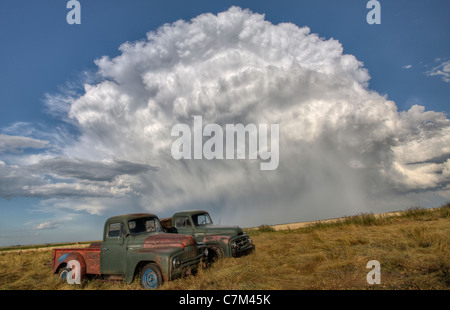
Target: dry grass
x,y
413,250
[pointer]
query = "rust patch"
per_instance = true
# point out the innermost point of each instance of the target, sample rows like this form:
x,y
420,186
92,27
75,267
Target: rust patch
x,y
89,258
168,240
216,238
162,250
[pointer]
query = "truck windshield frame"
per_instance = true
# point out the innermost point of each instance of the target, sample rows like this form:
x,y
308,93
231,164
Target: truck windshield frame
x,y
144,225
201,219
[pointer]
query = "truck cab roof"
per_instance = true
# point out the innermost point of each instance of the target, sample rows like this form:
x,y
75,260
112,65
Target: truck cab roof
x,y
189,212
127,217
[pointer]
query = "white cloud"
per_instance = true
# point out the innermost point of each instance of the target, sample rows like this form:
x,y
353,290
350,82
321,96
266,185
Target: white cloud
x,y
48,225
93,206
442,70
343,147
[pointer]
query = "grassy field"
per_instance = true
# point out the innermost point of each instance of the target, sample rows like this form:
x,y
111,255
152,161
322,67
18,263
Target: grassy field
x,y
413,249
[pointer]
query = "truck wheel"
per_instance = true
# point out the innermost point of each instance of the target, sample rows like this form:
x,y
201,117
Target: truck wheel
x,y
214,254
151,276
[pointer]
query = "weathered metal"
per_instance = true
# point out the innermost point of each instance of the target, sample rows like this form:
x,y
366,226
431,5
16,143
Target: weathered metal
x,y
168,240
89,259
130,243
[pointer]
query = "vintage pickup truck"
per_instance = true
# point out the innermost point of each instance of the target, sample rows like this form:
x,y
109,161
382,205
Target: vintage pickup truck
x,y
221,241
133,245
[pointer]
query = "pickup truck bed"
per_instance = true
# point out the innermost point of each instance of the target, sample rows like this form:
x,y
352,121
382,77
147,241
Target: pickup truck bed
x,y
91,256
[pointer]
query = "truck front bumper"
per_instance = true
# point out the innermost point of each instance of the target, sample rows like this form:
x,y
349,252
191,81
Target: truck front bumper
x,y
241,245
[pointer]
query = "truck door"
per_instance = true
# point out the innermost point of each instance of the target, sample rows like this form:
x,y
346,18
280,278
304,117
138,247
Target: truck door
x,y
114,250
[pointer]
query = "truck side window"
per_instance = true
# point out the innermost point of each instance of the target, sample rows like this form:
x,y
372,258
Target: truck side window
x,y
115,230
182,221
201,219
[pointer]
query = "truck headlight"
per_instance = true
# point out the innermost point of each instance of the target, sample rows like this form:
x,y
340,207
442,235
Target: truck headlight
x,y
234,245
176,263
205,253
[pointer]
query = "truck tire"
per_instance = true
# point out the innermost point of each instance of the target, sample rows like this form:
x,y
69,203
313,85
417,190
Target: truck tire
x,y
63,273
72,264
151,276
214,253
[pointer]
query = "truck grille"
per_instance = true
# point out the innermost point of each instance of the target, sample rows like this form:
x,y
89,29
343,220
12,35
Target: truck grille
x,y
242,245
190,253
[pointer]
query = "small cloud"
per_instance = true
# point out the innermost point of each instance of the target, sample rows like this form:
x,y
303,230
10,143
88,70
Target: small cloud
x,y
91,170
16,144
48,225
442,70
407,67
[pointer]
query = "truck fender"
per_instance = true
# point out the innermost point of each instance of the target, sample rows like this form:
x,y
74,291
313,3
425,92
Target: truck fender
x,y
135,271
75,264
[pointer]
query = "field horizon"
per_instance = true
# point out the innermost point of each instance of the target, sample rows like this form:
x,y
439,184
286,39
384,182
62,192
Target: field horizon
x,y
276,226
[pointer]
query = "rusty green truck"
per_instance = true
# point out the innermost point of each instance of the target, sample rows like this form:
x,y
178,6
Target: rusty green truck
x,y
221,241
134,245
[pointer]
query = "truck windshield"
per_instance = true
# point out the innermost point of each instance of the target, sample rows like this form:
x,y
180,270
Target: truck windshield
x,y
144,225
201,219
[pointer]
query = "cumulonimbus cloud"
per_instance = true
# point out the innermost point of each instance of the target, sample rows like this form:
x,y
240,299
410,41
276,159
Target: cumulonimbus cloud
x,y
343,147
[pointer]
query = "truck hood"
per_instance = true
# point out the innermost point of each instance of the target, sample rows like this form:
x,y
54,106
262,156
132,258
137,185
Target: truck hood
x,y
165,240
219,230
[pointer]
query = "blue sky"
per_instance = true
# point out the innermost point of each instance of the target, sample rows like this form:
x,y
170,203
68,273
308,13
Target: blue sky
x,y
42,56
